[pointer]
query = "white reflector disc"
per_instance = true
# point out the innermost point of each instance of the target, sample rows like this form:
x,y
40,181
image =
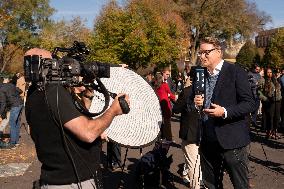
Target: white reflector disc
x,y
141,125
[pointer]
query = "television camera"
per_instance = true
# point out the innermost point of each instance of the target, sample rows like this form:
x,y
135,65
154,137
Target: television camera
x,y
71,71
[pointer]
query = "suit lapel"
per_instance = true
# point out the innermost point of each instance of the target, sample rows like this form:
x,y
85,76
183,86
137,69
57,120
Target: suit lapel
x,y
221,79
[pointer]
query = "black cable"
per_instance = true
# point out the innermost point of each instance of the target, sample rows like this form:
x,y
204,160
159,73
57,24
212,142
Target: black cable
x,y
94,175
64,136
67,150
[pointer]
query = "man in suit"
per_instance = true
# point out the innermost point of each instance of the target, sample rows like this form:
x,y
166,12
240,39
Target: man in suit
x,y
225,135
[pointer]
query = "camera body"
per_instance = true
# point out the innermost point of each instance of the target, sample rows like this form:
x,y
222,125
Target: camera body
x,y
67,70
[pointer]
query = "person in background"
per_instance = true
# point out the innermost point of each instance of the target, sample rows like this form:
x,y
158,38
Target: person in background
x,y
271,97
189,133
21,84
166,72
179,83
113,155
282,101
186,72
165,96
10,99
5,118
150,79
14,79
254,80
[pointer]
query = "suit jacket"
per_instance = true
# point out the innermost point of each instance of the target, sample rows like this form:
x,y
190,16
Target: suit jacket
x,y
232,91
189,121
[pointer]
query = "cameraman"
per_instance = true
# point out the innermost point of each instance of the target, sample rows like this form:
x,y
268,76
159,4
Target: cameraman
x,y
67,142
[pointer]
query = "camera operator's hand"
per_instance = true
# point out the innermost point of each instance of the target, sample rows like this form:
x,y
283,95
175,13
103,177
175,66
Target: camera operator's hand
x,y
115,106
215,111
124,65
104,136
198,101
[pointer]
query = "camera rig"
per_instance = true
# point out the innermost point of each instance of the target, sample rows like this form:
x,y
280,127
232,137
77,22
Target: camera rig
x,y
71,71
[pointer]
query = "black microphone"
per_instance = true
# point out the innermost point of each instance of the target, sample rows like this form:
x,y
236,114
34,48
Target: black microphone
x,y
199,82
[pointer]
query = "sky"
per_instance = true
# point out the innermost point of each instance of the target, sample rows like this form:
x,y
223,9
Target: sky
x,y
89,9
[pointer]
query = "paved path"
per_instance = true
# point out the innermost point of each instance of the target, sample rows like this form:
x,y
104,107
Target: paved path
x,y
267,173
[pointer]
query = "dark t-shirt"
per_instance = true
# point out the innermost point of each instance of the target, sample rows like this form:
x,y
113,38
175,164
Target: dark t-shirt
x,y
47,135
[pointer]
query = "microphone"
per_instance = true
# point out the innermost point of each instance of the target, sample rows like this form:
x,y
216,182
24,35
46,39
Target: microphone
x,y
199,84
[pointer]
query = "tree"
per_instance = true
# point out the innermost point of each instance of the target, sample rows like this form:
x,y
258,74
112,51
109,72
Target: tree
x,y
63,34
109,31
248,55
23,21
4,13
274,53
143,33
27,18
226,19
14,56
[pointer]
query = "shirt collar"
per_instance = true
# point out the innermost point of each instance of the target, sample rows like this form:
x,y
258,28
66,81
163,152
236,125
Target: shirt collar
x,y
217,69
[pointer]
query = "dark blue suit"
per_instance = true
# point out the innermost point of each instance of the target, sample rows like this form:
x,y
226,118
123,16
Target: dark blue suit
x,y
232,91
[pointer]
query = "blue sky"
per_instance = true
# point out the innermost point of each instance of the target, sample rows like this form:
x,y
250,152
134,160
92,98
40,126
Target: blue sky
x,y
89,9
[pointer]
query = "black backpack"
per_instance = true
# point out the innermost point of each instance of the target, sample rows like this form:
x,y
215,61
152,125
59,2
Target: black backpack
x,y
153,167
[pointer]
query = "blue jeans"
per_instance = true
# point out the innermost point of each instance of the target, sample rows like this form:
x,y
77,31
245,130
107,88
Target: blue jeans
x,y
15,124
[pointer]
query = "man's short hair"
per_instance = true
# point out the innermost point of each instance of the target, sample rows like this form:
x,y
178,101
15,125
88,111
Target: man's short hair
x,y
166,69
212,40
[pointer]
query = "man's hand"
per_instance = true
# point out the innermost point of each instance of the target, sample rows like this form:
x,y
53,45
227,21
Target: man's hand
x,y
198,100
124,65
104,136
215,111
115,106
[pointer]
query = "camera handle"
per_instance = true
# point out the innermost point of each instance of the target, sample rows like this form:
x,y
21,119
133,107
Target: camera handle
x,y
99,88
122,102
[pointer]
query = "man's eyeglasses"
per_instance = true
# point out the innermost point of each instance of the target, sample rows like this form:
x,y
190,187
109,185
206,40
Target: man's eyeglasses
x,y
206,52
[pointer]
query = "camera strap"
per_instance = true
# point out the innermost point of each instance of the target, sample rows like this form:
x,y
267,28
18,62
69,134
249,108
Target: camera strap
x,y
98,88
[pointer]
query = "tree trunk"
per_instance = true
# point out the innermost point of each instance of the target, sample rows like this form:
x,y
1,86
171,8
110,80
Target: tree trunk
x,y
194,48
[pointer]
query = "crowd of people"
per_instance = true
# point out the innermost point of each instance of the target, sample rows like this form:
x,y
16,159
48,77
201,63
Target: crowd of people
x,y
214,125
